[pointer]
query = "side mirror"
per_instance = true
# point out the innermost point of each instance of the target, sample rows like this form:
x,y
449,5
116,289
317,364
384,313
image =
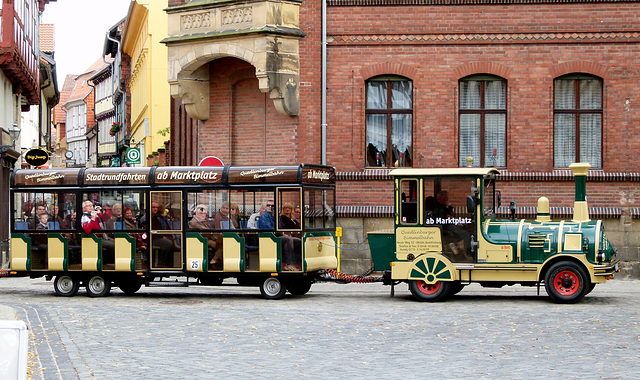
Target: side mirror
x,y
471,204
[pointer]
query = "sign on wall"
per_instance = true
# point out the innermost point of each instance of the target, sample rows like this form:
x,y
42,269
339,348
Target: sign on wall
x,y
133,156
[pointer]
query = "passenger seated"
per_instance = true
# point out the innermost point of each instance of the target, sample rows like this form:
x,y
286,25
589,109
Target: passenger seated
x,y
252,223
163,242
291,244
200,221
43,222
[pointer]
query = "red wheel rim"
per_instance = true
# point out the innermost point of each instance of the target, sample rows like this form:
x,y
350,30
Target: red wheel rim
x,y
566,282
428,288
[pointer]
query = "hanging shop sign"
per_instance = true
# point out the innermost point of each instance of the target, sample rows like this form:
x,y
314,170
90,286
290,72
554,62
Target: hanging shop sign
x,y
36,157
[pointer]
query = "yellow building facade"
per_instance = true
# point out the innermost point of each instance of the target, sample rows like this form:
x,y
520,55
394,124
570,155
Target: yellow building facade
x,y
145,27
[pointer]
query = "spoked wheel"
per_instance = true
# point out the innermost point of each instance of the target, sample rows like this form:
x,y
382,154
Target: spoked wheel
x,y
430,292
567,282
98,287
273,289
299,288
130,286
66,286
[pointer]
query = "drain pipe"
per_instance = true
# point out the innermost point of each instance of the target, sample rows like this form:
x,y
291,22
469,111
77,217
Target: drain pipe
x,y
113,80
324,83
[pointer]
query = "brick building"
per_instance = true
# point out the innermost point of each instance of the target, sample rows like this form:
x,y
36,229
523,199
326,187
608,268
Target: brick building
x,y
528,86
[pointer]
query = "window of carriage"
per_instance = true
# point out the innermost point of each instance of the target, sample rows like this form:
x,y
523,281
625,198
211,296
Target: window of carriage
x,y
483,121
389,111
577,119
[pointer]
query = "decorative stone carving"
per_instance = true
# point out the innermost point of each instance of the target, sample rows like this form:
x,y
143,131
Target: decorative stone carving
x,y
264,33
237,15
195,21
193,91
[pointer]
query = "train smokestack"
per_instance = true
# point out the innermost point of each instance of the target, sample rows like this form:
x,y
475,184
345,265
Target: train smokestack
x,y
580,207
543,210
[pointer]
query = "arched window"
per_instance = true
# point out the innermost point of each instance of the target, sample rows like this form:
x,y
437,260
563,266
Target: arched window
x,y
389,120
483,121
577,120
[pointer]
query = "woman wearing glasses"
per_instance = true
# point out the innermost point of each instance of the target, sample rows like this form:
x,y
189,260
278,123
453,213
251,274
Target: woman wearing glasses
x,y
200,221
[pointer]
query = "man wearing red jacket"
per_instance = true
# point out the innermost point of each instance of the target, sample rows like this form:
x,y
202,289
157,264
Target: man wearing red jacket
x,y
91,222
90,218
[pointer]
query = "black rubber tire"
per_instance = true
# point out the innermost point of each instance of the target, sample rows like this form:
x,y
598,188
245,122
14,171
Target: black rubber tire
x,y
430,293
66,286
567,282
299,288
130,286
456,287
591,287
97,286
273,289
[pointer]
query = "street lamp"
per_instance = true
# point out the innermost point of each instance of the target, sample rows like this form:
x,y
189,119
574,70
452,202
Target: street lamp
x,y
14,133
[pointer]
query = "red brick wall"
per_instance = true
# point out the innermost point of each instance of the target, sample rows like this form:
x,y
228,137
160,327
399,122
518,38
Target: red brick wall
x,y
435,68
244,127
527,44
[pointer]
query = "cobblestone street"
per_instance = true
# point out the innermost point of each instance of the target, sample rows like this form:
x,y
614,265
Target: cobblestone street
x,y
335,331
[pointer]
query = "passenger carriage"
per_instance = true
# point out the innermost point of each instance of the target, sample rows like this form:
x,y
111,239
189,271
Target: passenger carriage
x,y
130,255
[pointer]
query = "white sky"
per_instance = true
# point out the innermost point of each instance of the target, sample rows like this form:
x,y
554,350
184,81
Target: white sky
x,y
80,29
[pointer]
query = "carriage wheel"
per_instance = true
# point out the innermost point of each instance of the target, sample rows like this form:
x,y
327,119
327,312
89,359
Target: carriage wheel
x,y
98,287
66,286
273,289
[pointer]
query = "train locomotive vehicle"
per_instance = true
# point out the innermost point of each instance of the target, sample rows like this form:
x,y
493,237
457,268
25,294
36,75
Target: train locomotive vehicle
x,y
447,235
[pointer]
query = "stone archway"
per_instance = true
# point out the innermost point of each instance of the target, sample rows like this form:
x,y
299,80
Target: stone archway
x,y
265,34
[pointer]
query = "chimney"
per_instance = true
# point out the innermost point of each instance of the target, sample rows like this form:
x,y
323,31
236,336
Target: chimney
x,y
580,207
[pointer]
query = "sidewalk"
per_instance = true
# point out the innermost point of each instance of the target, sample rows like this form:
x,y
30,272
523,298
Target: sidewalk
x,y
7,313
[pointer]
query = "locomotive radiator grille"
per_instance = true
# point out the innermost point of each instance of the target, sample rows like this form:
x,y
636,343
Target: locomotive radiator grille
x,y
537,241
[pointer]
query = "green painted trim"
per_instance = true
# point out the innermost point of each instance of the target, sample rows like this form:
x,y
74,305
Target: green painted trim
x,y
28,241
65,241
132,244
205,249
99,242
581,188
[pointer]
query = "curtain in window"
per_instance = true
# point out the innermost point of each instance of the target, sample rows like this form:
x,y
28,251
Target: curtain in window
x,y
590,94
401,95
495,93
376,95
495,133
564,140
470,95
590,139
565,94
470,139
376,139
401,139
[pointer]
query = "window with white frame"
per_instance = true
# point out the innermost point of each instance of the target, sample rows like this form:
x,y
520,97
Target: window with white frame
x,y
483,121
577,120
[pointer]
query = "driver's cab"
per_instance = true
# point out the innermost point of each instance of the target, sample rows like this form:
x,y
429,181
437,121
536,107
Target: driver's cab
x,y
437,210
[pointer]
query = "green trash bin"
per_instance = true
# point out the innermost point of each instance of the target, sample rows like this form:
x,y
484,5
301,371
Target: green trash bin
x,y
382,245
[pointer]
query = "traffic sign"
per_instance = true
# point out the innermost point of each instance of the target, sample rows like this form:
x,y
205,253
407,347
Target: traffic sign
x,y
211,161
133,156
